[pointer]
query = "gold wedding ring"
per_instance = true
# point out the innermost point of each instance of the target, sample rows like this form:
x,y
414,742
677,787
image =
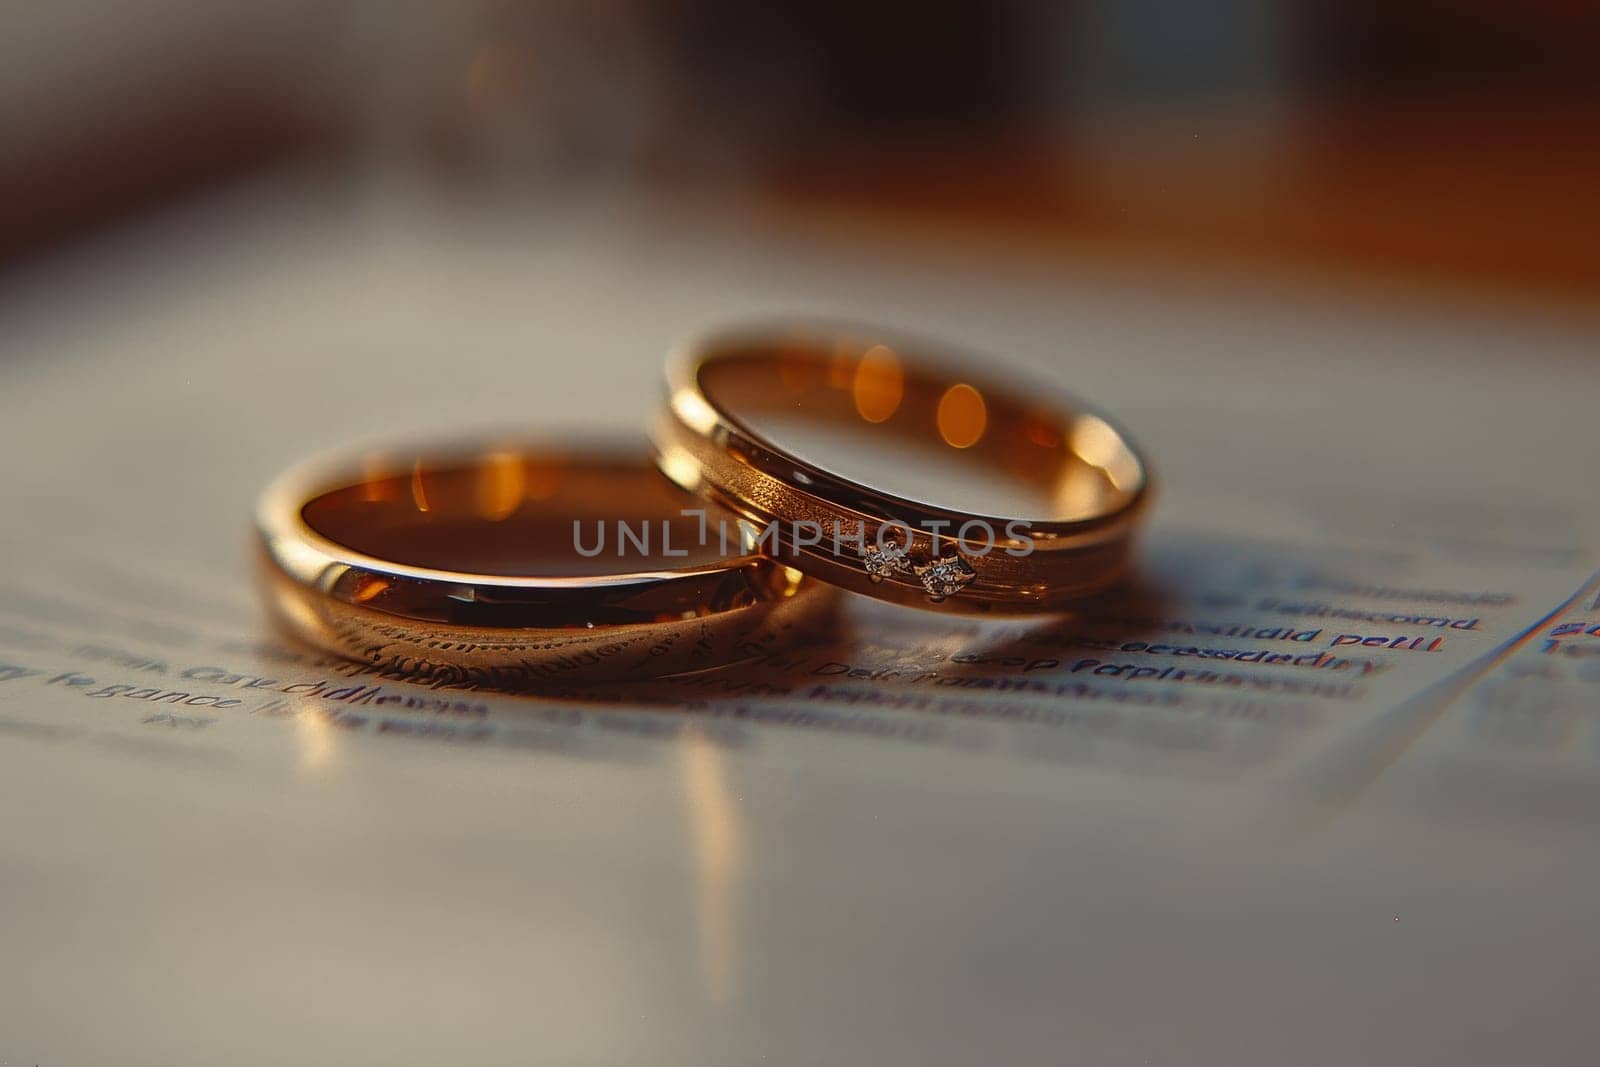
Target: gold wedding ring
x,y
516,566
1082,480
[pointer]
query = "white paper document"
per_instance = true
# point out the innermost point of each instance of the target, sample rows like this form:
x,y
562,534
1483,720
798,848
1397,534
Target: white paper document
x,y
1319,787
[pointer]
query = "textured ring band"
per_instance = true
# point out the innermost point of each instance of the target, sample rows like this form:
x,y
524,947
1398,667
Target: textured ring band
x,y
460,564
1087,482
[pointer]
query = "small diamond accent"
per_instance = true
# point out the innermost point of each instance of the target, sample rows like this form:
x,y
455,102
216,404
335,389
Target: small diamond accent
x,y
885,561
946,577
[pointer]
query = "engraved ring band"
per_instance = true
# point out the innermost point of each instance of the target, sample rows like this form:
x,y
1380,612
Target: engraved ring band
x,y
728,435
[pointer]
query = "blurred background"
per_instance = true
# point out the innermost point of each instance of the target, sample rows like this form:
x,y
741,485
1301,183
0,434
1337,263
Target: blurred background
x,y
1334,262
1455,143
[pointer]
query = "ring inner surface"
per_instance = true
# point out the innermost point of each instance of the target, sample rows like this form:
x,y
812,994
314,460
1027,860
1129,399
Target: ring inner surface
x,y
514,515
924,433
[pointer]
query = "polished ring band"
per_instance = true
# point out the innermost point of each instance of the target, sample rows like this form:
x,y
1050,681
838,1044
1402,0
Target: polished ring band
x,y
1087,482
466,565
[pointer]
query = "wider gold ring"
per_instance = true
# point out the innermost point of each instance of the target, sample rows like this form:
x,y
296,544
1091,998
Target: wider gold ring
x,y
1084,481
474,565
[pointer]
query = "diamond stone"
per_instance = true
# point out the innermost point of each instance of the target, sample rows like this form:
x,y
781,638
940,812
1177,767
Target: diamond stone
x,y
946,577
885,561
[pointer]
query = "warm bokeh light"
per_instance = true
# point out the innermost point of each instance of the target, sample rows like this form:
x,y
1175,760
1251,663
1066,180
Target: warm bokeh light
x,y
879,384
1097,444
500,484
963,417
419,495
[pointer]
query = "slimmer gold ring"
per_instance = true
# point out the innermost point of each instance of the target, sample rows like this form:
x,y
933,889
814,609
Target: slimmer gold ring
x,y
1086,484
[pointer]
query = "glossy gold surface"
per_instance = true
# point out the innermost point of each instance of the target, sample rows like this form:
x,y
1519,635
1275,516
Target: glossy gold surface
x,y
460,564
1087,484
